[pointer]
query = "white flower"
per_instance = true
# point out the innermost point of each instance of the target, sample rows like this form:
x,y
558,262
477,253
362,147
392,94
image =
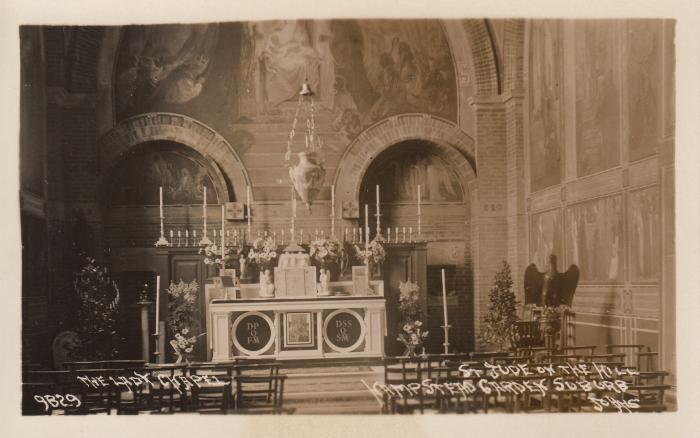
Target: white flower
x,y
188,350
185,331
418,323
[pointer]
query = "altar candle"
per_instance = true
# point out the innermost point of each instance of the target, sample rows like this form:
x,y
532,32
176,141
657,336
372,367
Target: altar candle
x,y
388,234
204,211
404,234
359,233
366,226
410,234
222,246
333,210
354,235
444,298
194,236
223,217
157,302
247,194
171,237
419,210
161,201
378,214
396,231
178,237
187,237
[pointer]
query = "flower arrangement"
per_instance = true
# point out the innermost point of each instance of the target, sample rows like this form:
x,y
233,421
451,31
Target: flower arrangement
x,y
182,307
324,250
408,301
412,336
184,345
98,310
212,254
373,254
263,252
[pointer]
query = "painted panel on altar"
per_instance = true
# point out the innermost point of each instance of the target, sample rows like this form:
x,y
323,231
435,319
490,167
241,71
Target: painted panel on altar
x,y
645,237
546,137
595,239
181,173
597,96
400,170
643,79
298,329
545,238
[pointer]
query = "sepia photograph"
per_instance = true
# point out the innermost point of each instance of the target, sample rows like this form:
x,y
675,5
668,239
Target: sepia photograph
x,y
385,216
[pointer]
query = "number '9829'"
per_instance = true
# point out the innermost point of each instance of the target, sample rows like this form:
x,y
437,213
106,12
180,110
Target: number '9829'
x,y
58,401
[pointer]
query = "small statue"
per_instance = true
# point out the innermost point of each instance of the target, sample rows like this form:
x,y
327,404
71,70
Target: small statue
x,y
550,288
322,287
242,262
267,287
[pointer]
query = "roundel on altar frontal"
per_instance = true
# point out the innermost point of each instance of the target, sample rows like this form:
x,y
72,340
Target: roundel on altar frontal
x,y
344,330
253,333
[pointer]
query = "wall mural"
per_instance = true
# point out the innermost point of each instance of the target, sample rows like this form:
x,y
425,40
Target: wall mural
x,y
595,239
400,170
643,77
545,238
645,237
182,176
545,104
182,68
597,97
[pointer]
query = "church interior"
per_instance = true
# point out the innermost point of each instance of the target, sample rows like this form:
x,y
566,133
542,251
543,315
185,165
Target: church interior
x,y
307,212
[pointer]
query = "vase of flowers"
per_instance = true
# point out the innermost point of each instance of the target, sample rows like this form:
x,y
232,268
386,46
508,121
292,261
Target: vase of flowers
x,y
412,337
263,253
212,255
183,345
326,254
183,316
373,255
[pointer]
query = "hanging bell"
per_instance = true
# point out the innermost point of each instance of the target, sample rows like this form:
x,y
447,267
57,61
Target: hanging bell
x,y
306,89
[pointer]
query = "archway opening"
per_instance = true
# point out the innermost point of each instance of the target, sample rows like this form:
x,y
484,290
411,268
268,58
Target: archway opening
x,y
445,237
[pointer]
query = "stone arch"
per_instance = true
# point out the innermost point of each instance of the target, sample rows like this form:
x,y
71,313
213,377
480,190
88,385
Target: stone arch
x,y
452,143
485,66
178,128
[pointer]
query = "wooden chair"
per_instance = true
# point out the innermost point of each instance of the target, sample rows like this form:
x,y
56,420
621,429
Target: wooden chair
x,y
98,393
164,393
630,351
586,350
212,386
402,372
259,368
248,391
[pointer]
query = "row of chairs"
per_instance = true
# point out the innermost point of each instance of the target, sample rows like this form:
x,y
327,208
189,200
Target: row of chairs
x,y
116,386
645,383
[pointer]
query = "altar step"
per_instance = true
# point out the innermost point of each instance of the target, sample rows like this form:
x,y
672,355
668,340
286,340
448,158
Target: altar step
x,y
331,390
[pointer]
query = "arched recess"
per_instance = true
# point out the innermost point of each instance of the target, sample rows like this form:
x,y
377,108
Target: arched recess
x,y
452,143
180,129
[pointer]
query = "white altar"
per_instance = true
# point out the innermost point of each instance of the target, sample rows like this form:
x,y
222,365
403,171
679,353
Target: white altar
x,y
298,327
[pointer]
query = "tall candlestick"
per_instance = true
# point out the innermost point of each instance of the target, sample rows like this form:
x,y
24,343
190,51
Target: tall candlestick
x,y
161,201
171,235
204,210
162,241
379,228
359,232
396,232
223,217
404,235
333,210
157,303
178,237
187,237
444,298
366,226
223,243
419,229
388,234
247,194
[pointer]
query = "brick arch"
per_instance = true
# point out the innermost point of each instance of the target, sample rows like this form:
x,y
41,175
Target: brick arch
x,y
452,143
480,40
513,55
178,128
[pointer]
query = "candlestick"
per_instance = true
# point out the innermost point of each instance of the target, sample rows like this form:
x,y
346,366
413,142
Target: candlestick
x,y
204,210
157,303
419,214
388,234
366,226
396,232
178,237
162,241
404,235
171,235
187,237
247,193
354,235
410,234
359,233
379,228
333,210
222,248
223,217
444,297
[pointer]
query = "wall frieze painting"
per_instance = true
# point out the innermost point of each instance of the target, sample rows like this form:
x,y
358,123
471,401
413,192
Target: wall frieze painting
x,y
597,97
645,238
230,75
546,238
546,138
595,240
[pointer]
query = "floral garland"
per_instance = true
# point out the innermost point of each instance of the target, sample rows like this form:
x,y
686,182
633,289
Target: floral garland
x,y
374,254
324,250
263,252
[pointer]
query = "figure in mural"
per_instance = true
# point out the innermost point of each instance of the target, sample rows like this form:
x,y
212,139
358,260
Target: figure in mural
x,y
645,223
165,63
545,236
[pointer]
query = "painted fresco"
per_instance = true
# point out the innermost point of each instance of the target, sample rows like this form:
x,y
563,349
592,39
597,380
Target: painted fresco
x,y
182,176
401,171
545,101
645,237
361,71
594,239
643,79
545,238
597,96
182,68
